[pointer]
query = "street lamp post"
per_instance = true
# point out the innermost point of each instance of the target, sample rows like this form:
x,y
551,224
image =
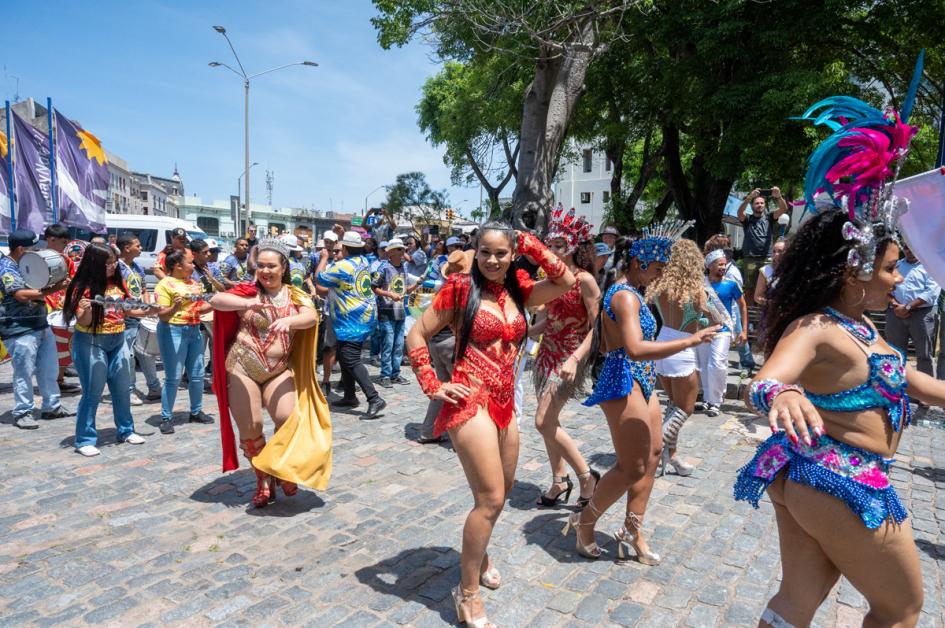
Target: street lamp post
x,y
246,79
380,187
239,178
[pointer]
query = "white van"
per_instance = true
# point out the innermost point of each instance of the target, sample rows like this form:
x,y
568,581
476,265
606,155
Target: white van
x,y
154,233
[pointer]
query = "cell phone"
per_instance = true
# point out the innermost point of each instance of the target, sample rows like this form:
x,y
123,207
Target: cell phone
x,y
766,192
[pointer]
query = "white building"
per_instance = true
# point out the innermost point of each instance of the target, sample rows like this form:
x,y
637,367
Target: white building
x,y
119,200
584,184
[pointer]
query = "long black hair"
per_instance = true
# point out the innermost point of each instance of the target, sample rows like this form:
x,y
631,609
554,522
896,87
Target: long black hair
x,y
91,276
478,282
812,271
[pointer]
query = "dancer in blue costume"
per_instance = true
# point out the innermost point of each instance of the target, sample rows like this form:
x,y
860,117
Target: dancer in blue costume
x,y
834,392
624,391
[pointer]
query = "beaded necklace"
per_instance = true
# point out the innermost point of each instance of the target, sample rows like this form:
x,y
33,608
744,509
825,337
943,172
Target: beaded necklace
x,y
860,330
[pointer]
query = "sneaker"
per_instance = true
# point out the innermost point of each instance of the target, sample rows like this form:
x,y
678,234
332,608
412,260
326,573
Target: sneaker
x,y
167,427
66,387
426,440
712,410
700,406
136,400
200,417
385,382
26,422
89,450
58,413
345,403
153,395
133,439
374,409
400,380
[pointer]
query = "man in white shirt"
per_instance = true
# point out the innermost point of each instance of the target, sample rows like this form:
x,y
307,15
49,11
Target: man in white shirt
x,y
911,312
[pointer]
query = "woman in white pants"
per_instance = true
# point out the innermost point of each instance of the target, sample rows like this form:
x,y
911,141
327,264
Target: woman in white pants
x,y
713,357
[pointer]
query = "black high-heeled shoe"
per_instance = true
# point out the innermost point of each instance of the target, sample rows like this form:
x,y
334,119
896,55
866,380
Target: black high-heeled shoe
x,y
551,502
584,501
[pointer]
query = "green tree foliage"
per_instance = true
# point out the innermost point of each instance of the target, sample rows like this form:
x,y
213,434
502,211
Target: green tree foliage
x,y
412,197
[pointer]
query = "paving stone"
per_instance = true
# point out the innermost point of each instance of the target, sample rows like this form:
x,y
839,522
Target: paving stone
x,y
627,614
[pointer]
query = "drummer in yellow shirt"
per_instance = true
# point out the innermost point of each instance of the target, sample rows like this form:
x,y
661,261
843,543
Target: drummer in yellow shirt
x,y
179,337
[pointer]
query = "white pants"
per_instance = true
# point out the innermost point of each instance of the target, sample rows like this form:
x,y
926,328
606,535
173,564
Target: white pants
x,y
713,367
520,379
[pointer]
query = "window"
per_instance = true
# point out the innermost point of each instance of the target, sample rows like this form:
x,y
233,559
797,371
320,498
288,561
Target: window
x,y
588,161
585,198
209,224
606,196
608,167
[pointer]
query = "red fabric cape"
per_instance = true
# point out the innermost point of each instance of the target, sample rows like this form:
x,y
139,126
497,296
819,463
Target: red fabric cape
x,y
225,326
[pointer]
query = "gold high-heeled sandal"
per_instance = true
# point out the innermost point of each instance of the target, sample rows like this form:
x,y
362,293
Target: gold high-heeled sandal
x,y
623,535
592,550
491,578
460,597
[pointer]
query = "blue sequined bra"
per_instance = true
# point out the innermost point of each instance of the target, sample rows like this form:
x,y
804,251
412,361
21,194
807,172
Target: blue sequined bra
x,y
620,372
884,388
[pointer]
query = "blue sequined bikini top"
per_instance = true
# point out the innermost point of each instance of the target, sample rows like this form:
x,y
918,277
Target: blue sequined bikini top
x,y
885,387
647,321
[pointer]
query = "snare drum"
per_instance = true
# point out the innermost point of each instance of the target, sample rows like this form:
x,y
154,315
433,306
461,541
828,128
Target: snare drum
x,y
63,336
147,341
43,268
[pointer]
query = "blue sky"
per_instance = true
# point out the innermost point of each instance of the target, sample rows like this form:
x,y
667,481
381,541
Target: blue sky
x,y
136,75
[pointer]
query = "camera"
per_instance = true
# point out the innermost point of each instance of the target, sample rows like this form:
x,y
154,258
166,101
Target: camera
x,y
766,192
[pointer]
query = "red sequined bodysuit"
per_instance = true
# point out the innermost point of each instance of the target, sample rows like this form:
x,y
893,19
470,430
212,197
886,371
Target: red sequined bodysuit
x,y
488,365
567,328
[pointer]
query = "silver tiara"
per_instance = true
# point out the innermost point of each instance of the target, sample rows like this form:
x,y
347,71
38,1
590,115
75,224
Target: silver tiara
x,y
272,244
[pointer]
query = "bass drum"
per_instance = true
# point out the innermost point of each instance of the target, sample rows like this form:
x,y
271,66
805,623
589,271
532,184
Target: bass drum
x,y
63,335
43,268
147,341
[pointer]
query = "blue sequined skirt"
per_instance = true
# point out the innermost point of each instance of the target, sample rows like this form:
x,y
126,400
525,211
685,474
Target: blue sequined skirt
x,y
855,476
617,377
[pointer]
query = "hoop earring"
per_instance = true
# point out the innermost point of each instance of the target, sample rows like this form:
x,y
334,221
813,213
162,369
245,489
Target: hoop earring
x,y
858,301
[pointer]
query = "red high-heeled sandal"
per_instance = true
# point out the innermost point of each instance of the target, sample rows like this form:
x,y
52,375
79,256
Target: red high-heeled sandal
x,y
289,488
265,484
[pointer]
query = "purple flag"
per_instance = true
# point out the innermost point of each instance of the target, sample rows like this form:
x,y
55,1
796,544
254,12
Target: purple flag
x,y
31,182
4,186
81,176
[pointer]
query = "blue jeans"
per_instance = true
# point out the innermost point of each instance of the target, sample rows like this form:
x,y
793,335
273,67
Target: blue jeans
x,y
101,359
745,359
376,341
392,347
181,349
146,362
34,353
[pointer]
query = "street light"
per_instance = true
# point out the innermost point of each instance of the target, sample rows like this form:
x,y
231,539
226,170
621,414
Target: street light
x,y
246,79
255,163
380,187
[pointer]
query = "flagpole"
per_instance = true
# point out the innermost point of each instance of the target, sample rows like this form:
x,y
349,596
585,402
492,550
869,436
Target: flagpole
x,y
52,160
10,141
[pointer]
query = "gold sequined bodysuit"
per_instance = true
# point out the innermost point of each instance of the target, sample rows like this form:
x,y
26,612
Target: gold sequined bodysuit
x,y
257,353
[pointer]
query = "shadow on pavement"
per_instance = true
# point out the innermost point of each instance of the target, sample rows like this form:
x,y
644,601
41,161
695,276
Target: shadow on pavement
x,y
235,490
545,531
425,575
935,550
930,473
524,495
412,432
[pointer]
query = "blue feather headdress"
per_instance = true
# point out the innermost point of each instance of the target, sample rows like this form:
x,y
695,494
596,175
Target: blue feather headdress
x,y
657,241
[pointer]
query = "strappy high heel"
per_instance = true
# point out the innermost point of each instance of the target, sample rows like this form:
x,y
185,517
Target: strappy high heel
x,y
574,521
265,483
460,597
623,535
491,578
582,502
679,467
549,502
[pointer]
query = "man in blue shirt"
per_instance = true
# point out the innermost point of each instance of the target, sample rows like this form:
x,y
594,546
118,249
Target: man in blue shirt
x,y
390,286
27,337
713,357
129,248
415,259
234,267
353,313
911,312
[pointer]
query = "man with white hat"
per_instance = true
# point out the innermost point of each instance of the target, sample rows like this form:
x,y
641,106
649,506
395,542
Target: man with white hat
x,y
298,266
390,286
353,311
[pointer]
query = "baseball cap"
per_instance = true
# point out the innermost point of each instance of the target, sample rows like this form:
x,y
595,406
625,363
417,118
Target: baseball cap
x,y
602,249
291,241
609,231
394,243
352,239
212,244
22,237
178,232
330,235
453,241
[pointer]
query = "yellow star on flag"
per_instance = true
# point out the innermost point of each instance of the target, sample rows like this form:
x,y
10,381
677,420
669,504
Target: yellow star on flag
x,y
92,147
3,145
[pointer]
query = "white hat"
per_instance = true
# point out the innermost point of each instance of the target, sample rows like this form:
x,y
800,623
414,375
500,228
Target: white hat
x,y
330,235
212,244
352,239
394,243
609,230
291,242
714,256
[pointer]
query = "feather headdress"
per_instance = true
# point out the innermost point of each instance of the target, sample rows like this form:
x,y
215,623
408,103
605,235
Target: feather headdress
x,y
657,241
573,229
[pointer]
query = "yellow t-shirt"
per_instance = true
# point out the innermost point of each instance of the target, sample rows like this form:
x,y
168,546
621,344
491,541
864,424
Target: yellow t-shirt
x,y
113,322
165,291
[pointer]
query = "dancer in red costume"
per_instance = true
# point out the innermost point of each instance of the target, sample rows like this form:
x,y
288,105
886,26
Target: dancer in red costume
x,y
566,337
264,332
486,311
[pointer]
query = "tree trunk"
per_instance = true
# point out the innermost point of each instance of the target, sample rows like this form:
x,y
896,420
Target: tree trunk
x,y
550,100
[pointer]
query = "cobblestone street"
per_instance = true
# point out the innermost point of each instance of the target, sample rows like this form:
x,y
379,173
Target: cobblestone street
x,y
155,534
